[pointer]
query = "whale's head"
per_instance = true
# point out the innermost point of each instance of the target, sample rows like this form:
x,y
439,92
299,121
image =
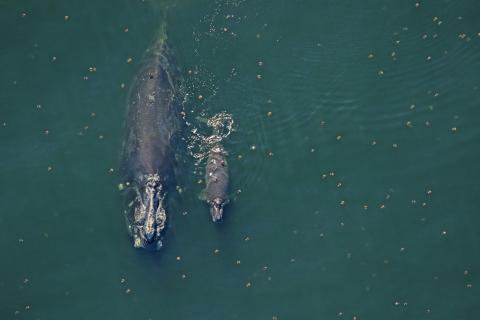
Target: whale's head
x,y
216,208
149,213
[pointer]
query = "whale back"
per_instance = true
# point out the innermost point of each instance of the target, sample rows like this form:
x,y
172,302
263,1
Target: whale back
x,y
152,118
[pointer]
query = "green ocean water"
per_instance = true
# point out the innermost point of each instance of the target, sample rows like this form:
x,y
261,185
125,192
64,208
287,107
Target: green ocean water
x,y
354,162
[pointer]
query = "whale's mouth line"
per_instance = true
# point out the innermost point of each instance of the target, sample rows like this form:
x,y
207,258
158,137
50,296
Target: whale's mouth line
x,y
216,209
149,212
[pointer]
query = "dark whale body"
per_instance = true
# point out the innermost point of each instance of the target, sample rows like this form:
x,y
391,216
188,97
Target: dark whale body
x,y
148,154
217,181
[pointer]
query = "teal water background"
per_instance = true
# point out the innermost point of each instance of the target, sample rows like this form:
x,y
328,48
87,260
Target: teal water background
x,y
355,198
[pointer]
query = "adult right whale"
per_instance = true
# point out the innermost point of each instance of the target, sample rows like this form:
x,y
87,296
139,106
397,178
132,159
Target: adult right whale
x,y
152,125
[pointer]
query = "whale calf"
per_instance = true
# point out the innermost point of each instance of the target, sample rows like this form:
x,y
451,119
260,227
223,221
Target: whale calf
x,y
152,124
217,181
